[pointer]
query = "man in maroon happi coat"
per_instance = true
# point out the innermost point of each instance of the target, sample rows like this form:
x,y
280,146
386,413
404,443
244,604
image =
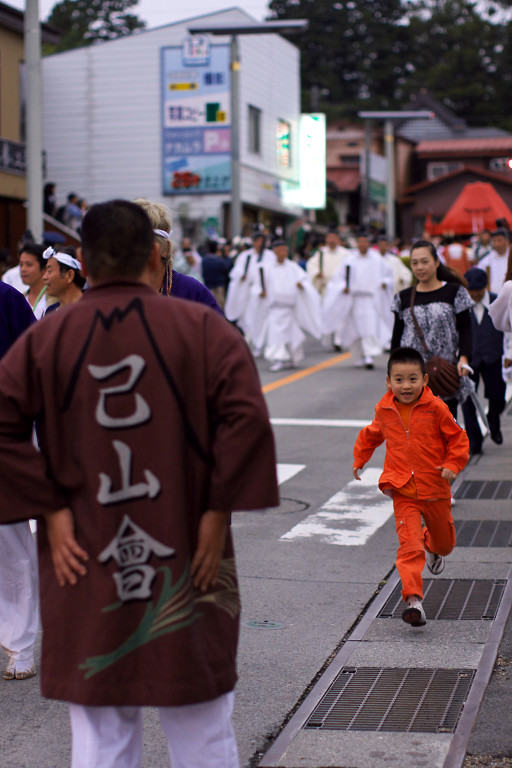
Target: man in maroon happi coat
x,y
153,429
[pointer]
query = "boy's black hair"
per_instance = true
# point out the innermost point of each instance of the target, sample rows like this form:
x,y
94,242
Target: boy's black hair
x,y
406,355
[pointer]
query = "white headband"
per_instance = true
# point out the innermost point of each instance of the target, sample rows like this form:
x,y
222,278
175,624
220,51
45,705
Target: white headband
x,y
62,258
163,233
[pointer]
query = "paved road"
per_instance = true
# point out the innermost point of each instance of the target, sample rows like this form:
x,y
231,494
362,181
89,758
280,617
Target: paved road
x,y
305,577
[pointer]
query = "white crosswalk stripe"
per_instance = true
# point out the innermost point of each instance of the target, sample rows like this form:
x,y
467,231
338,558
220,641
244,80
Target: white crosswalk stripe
x,y
353,423
286,471
349,517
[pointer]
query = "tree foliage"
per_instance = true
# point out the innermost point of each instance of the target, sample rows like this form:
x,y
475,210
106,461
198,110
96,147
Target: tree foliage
x,y
84,22
375,54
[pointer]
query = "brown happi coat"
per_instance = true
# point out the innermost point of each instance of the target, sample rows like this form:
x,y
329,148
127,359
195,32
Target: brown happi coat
x,y
149,412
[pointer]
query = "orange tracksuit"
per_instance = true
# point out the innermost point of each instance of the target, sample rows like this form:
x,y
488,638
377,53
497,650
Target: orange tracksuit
x,y
433,439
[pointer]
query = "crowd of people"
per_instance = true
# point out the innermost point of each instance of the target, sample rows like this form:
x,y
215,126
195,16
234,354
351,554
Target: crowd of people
x,y
443,302
352,291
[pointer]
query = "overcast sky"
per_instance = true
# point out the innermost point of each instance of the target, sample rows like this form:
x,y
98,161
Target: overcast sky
x,y
159,12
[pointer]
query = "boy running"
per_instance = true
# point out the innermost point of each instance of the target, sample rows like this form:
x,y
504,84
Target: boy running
x,y
425,450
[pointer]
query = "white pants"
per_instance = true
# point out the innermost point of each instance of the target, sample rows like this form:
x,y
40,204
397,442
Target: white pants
x,y
198,735
18,592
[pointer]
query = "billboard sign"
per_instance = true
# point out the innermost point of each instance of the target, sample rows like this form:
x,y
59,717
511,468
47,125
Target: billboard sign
x,y
312,158
196,120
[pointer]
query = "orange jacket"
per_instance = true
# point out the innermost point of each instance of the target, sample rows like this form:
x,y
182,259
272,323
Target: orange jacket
x,y
434,440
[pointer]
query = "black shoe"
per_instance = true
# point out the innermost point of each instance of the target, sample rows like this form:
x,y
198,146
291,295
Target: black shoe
x,y
497,437
476,450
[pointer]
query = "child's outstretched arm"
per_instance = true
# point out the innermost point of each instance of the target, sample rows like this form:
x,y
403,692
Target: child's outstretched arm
x,y
368,440
355,472
67,555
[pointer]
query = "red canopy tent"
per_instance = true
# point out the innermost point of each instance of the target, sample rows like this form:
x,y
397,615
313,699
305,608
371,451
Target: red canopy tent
x,y
476,208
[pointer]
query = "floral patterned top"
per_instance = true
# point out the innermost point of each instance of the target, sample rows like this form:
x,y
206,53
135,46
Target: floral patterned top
x,y
444,317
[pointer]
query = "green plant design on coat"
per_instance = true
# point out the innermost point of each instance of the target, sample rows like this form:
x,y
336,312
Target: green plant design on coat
x,y
175,608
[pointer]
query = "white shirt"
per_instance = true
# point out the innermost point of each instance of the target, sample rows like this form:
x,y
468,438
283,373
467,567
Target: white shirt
x,y
497,265
480,307
13,277
501,308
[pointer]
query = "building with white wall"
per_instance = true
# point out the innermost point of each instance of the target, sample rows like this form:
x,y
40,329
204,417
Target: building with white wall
x,y
104,113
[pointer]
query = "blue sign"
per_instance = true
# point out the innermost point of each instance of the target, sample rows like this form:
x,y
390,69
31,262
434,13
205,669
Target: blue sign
x,y
196,122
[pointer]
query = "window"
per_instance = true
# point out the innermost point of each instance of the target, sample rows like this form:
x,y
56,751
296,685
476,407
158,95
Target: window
x,y
254,130
436,170
352,160
283,143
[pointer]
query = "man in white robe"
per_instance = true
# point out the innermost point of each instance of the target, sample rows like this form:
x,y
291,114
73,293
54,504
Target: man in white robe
x,y
402,278
322,267
495,263
288,305
324,264
358,300
237,307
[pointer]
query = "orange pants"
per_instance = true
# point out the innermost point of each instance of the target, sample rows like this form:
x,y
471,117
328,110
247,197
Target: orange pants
x,y
438,536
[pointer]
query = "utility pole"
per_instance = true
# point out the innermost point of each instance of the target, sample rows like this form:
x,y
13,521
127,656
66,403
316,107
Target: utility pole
x,y
389,140
34,128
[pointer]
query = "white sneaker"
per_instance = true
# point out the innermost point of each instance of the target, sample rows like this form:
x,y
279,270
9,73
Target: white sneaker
x,y
277,366
414,613
435,563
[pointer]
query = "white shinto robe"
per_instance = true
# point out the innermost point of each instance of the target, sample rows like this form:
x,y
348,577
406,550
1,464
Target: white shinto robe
x,y
330,261
238,295
363,315
280,318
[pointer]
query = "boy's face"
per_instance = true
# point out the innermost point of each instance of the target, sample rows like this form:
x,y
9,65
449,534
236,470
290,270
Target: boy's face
x,y
406,381
477,294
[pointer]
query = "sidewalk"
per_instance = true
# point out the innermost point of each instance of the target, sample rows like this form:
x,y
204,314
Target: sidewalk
x,y
397,695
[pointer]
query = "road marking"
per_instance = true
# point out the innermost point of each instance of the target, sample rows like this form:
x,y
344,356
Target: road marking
x,y
350,517
286,471
306,372
320,422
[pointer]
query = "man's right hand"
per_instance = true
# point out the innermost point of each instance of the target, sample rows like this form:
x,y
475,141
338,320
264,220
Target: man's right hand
x,y
67,555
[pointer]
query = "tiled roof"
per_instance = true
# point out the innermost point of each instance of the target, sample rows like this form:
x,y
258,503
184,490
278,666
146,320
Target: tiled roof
x,y
479,173
497,145
345,179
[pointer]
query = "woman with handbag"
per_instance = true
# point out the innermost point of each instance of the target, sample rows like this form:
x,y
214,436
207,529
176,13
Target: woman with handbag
x,y
434,318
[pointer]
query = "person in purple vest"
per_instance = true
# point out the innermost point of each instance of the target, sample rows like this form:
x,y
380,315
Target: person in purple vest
x,y
18,559
486,362
168,281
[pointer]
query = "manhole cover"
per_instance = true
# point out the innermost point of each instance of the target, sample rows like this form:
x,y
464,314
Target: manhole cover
x,y
452,599
265,624
291,505
400,700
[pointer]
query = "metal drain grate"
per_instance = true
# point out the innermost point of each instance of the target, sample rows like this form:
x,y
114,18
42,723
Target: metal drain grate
x,y
485,489
452,599
403,700
484,533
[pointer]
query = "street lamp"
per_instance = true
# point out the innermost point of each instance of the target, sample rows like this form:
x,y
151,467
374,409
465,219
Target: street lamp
x,y
389,141
263,28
